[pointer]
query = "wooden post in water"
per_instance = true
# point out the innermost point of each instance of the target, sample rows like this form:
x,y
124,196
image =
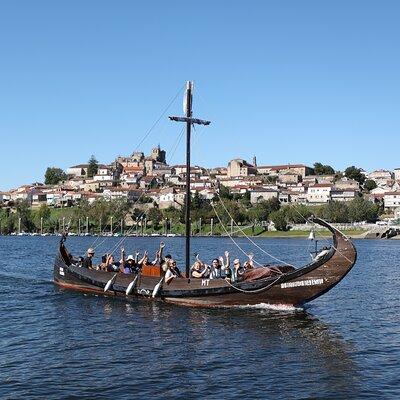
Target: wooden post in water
x,y
189,120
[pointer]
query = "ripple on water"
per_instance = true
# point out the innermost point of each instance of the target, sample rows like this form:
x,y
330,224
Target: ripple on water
x,y
60,344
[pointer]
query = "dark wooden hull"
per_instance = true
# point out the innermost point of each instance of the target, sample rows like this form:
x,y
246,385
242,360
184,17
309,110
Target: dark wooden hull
x,y
293,288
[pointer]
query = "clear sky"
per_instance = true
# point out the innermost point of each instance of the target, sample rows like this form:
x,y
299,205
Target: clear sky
x,y
287,81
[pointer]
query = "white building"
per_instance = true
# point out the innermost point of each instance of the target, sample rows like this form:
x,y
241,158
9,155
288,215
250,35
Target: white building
x,y
319,193
391,200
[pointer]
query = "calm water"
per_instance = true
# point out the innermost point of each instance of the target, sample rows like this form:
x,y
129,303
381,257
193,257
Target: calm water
x,y
58,344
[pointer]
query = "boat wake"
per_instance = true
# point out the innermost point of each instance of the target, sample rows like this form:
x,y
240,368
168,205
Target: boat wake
x,y
272,307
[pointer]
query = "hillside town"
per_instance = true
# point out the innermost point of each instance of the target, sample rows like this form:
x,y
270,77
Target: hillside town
x,y
137,175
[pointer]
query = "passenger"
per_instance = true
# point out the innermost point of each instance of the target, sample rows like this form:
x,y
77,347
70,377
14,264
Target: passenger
x,y
238,270
174,268
226,271
103,265
172,272
249,264
88,260
200,269
218,267
130,264
112,265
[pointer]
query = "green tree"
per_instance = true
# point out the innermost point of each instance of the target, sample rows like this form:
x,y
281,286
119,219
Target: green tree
x,y
321,169
93,167
336,211
361,209
155,216
23,211
261,211
42,212
298,213
6,221
279,219
225,193
369,185
355,173
54,175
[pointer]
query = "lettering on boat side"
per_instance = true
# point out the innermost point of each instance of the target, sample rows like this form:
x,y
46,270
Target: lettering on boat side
x,y
309,282
205,282
62,271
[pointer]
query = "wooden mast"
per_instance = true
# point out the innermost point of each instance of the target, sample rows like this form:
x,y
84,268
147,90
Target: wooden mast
x,y
189,121
189,87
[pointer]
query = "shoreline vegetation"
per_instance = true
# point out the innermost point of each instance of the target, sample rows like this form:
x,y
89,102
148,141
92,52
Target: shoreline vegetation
x,y
222,216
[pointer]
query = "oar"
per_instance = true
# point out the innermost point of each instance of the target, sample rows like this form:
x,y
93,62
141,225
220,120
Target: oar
x,y
131,285
110,283
157,288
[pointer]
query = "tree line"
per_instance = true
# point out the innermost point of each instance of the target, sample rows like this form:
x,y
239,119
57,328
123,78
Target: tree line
x,y
222,209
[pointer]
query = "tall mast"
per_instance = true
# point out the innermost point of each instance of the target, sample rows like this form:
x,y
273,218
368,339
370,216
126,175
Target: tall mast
x,y
189,87
189,121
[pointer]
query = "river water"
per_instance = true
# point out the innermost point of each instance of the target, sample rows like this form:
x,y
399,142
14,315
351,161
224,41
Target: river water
x,y
59,344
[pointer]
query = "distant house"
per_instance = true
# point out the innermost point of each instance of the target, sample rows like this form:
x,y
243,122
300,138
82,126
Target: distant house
x,y
258,194
171,197
289,178
346,183
344,194
276,170
380,175
391,200
319,193
240,167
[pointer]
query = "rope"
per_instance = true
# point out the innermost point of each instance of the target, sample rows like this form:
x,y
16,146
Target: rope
x,y
249,239
230,237
117,226
160,117
256,290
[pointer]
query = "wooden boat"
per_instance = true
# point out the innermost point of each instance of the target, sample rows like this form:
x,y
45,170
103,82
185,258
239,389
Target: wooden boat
x,y
286,285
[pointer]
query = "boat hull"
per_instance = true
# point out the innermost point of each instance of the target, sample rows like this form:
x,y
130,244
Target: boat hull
x,y
294,288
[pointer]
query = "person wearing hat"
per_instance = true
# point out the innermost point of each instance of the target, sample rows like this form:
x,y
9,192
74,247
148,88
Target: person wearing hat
x,y
87,261
129,265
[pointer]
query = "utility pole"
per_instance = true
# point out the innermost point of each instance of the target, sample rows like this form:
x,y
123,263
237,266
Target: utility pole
x,y
87,225
122,226
41,226
79,227
212,225
100,230
200,227
111,227
231,226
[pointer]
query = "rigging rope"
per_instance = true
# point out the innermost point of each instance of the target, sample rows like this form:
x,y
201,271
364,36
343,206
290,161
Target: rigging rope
x,y
249,239
160,117
230,237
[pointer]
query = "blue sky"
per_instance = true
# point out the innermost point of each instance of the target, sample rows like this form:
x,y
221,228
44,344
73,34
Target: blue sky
x,y
287,81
